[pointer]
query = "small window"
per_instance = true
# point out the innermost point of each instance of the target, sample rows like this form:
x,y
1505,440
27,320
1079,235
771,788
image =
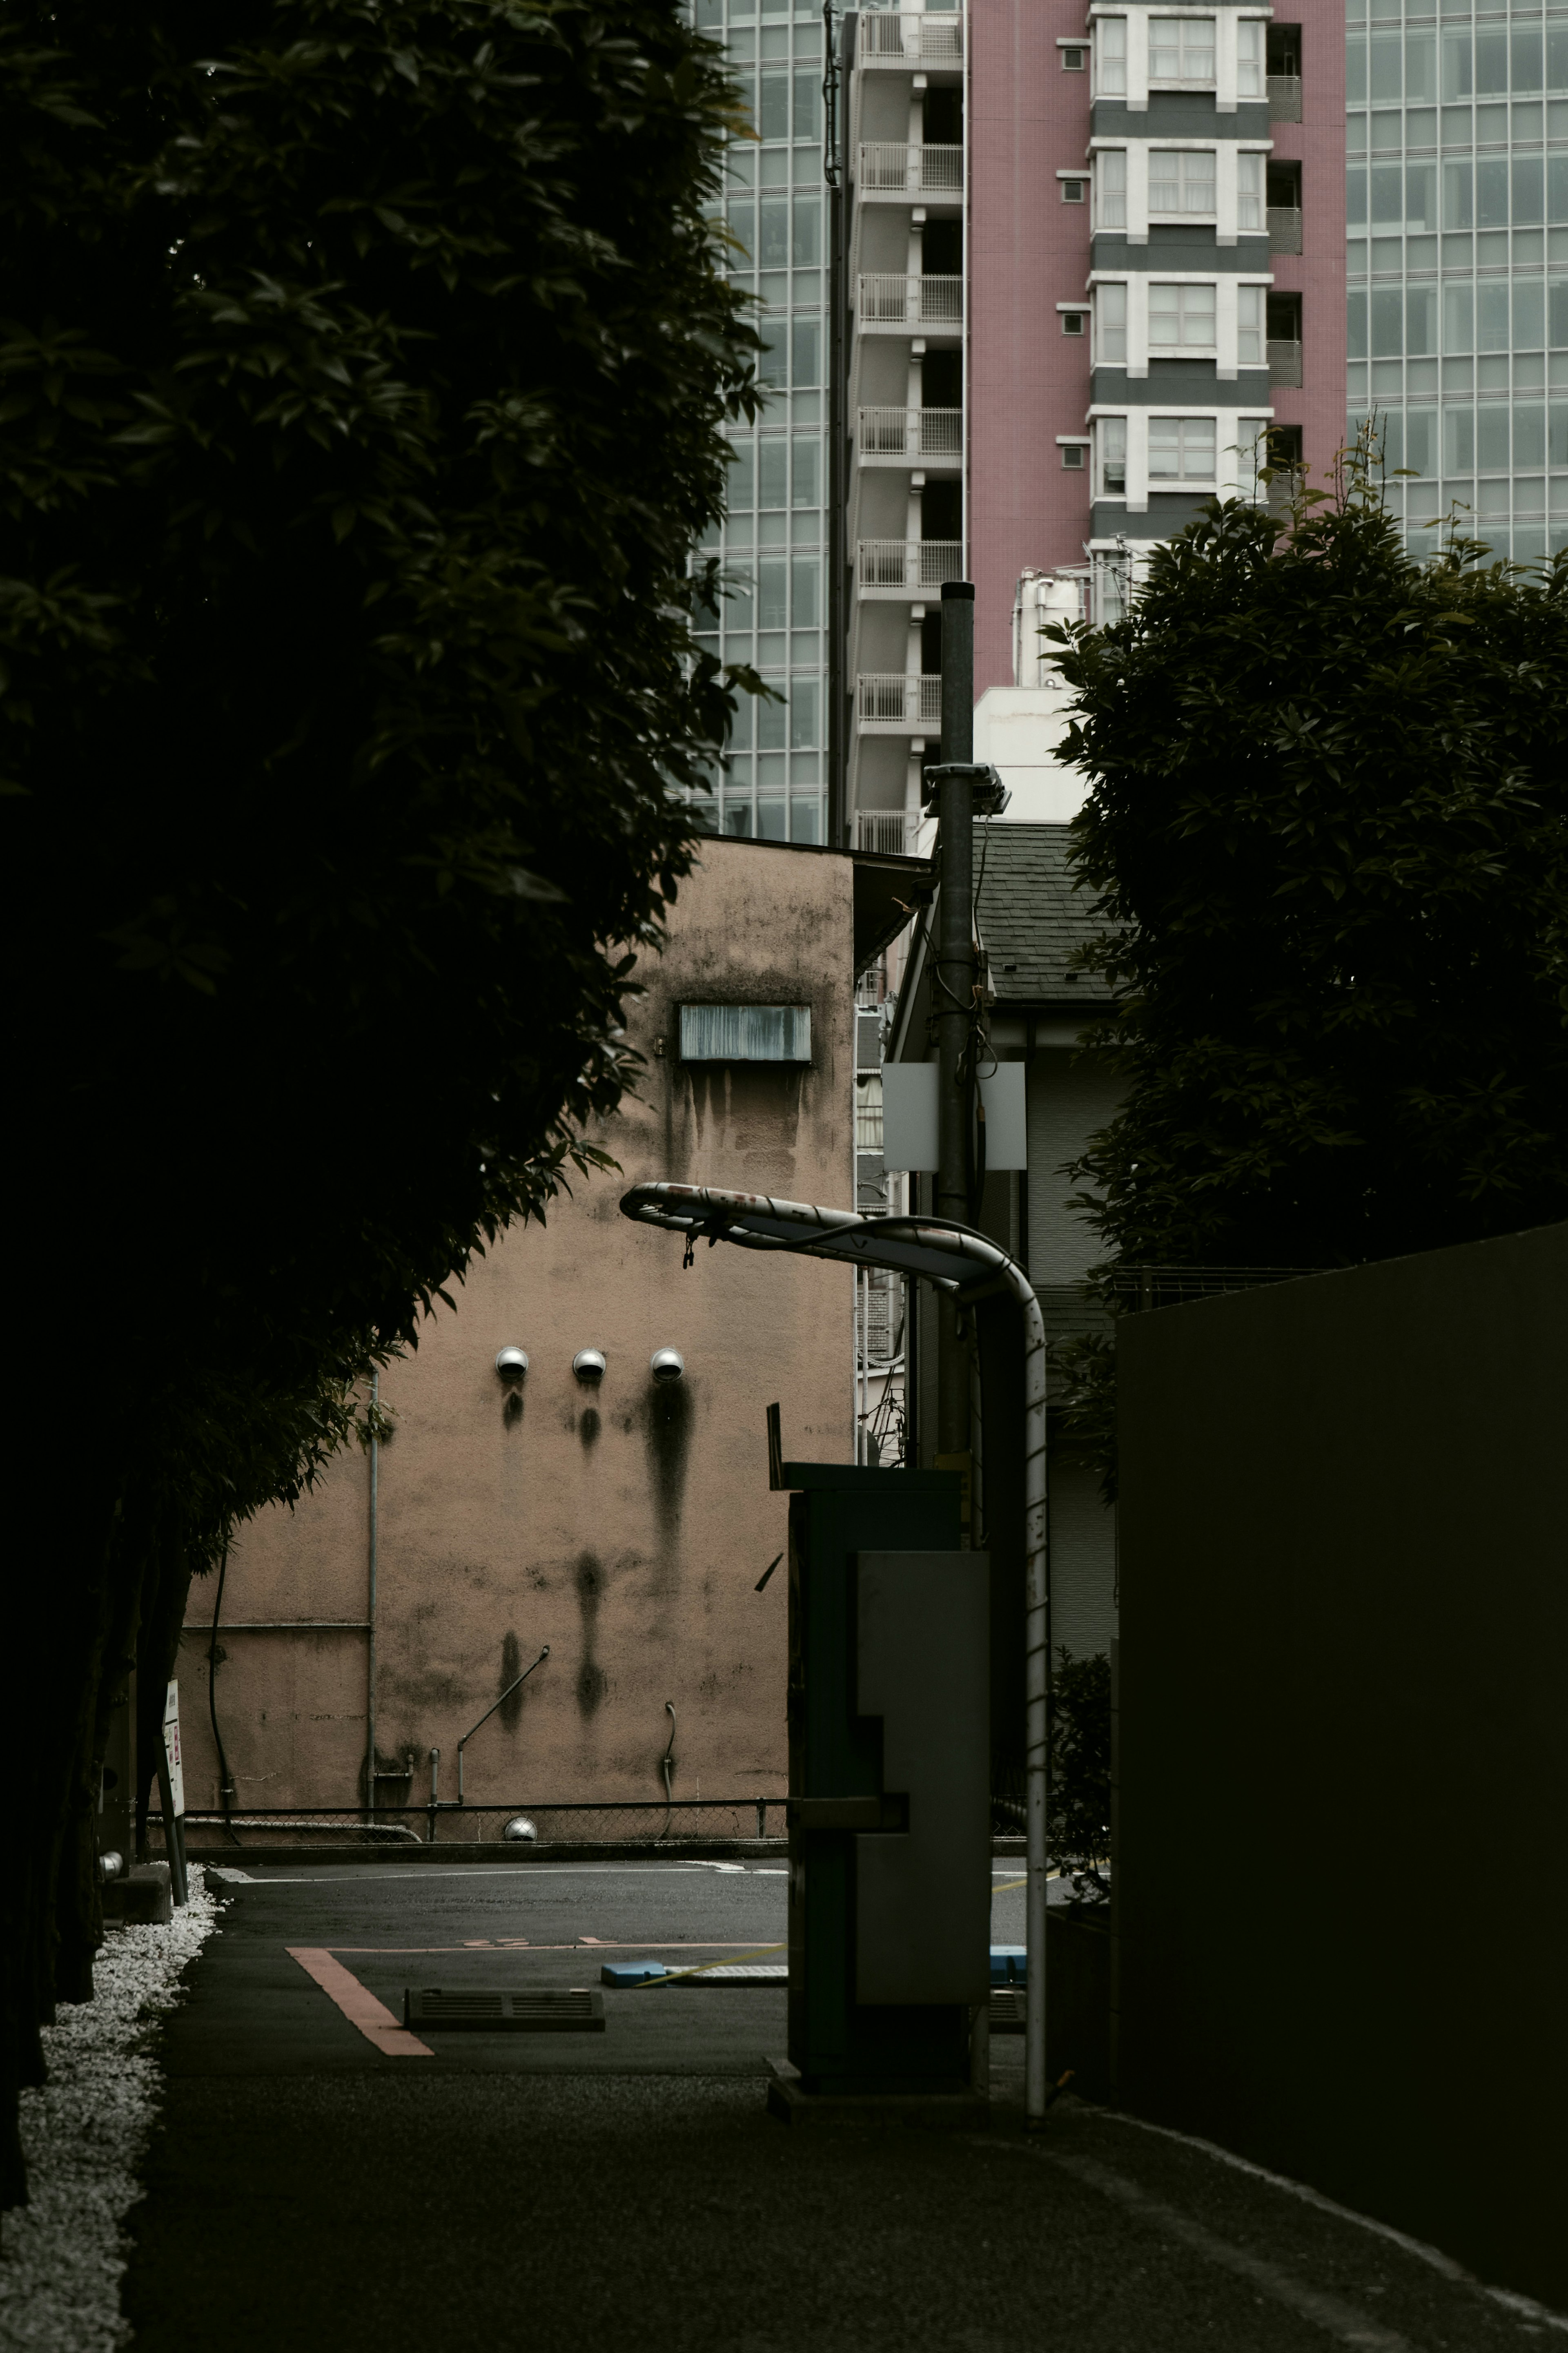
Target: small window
x,y
1073,321
1111,319
1110,57
1073,60
1181,180
1072,457
1181,49
1073,192
746,1033
1113,455
1111,176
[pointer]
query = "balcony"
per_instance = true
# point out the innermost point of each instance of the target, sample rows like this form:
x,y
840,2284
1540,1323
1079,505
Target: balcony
x,y
1284,97
1284,362
897,702
898,569
932,437
890,303
893,172
900,37
892,832
1284,228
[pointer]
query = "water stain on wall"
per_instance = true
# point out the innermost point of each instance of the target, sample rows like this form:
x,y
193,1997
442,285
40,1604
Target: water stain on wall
x,y
511,1668
588,1426
668,1415
589,1580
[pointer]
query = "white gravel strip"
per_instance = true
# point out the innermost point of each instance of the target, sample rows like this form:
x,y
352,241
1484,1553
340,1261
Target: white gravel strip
x,y
86,2135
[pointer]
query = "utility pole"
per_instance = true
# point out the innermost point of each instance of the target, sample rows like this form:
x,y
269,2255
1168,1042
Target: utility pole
x,y
955,971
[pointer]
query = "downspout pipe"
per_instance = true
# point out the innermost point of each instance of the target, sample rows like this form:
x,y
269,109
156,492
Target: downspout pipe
x,y
970,1267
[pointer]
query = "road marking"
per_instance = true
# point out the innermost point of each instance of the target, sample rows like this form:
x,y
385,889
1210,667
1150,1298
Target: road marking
x,y
1331,2313
598,1944
673,1976
417,1872
358,2004
1509,2298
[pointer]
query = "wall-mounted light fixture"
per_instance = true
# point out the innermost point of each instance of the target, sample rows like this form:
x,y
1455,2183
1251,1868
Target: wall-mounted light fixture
x,y
511,1363
667,1364
588,1364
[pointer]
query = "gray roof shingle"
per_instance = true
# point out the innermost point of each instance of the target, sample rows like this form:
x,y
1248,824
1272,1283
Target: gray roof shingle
x,y
1030,916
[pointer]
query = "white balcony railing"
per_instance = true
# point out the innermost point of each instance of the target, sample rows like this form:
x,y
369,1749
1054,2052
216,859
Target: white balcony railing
x,y
890,832
888,168
896,36
898,699
888,299
913,564
914,433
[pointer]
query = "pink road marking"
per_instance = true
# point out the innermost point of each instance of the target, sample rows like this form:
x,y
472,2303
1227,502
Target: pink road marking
x,y
358,2004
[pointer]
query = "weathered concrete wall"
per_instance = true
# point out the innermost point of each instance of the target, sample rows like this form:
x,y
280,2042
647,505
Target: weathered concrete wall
x,y
626,1525
1341,1876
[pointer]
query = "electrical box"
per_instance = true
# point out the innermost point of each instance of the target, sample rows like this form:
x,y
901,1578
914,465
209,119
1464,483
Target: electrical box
x,y
889,1806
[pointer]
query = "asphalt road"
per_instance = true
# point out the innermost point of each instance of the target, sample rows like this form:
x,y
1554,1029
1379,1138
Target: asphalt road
x,y
310,2189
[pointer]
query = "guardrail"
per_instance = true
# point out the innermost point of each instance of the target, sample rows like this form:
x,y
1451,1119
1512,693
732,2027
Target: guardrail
x,y
899,36
907,563
634,1820
1285,228
910,432
898,698
1284,361
896,299
890,167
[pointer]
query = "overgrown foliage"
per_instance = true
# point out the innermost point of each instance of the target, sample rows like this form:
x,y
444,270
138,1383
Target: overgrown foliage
x,y
1328,832
1327,829
362,369
1078,1824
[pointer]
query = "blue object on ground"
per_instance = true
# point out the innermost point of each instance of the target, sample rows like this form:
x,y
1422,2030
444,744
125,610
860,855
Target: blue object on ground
x,y
631,1973
1009,1964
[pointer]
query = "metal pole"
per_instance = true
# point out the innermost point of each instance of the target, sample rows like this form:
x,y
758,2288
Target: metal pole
x,y
914,1246
954,976
371,1567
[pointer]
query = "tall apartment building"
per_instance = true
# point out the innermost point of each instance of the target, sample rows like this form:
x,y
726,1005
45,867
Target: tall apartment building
x,y
774,786
1458,169
1087,258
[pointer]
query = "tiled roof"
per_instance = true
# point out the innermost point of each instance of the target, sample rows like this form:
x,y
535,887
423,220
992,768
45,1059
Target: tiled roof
x,y
1031,918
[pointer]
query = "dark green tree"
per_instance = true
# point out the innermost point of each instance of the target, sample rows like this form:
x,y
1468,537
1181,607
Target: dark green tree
x,y
1327,829
362,373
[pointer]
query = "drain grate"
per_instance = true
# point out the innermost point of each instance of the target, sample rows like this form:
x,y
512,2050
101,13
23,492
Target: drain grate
x,y
581,2012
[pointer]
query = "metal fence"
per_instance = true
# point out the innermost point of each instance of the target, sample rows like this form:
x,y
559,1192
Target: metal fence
x,y
633,1822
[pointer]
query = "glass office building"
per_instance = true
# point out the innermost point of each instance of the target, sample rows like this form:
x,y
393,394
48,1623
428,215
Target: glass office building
x,y
1458,169
776,541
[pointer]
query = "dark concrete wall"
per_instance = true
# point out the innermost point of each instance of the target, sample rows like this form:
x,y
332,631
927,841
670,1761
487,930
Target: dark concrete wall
x,y
1344,1861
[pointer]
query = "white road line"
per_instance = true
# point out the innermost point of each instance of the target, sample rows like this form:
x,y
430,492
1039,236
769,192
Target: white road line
x,y
417,1871
1345,2321
1524,2305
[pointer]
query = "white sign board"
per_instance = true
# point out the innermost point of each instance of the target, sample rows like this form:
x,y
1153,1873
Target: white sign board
x,y
172,1747
909,1116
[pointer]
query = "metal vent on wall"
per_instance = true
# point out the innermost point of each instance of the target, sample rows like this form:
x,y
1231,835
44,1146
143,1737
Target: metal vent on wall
x,y
746,1033
581,2012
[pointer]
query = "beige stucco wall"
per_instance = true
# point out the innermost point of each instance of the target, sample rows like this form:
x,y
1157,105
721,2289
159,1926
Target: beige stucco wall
x,y
626,1526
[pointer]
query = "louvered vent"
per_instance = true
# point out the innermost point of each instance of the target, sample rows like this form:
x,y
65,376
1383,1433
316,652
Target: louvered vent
x,y
746,1033
1006,2009
581,2012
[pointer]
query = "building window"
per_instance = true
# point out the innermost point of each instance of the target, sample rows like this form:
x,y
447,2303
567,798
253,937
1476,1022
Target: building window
x,y
746,1033
1252,451
869,1111
1250,189
1110,323
1072,456
1181,449
1249,56
1181,49
1110,187
1181,180
1072,322
1182,317
1110,57
1073,192
1113,455
1073,60
1250,351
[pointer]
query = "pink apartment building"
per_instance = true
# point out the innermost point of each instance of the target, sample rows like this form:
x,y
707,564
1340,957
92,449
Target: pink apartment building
x,y
1088,260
